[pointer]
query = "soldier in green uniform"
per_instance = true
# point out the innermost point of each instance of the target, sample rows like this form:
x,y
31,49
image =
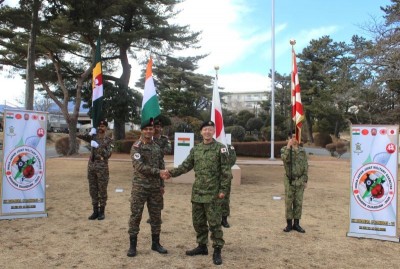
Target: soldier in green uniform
x,y
209,160
163,142
226,201
296,167
98,172
148,168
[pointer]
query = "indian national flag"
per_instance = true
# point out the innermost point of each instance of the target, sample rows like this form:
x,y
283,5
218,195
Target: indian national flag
x,y
184,141
355,131
150,106
97,95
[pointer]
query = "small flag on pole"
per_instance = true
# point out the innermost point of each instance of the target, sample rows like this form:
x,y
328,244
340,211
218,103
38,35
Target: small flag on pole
x,y
297,106
150,105
97,86
216,114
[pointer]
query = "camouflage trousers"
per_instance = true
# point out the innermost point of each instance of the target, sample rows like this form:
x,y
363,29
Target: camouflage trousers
x,y
211,213
225,208
293,199
98,177
154,200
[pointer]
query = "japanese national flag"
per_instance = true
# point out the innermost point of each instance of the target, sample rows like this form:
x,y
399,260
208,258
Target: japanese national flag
x,y
216,115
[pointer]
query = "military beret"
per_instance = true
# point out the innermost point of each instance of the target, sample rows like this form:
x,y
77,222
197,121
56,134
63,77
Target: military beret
x,y
147,123
207,123
157,122
103,122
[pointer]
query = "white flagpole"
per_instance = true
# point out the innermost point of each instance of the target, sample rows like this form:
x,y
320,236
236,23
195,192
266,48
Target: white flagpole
x,y
273,83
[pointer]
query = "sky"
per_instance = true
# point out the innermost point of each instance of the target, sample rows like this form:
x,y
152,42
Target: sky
x,y
237,36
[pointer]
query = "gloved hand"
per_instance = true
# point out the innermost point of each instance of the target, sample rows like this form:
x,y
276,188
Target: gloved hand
x,y
94,144
92,131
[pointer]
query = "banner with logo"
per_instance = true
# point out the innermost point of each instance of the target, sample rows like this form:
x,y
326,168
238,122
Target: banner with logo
x,y
373,182
184,142
23,185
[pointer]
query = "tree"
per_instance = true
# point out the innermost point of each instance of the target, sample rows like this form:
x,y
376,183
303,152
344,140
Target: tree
x,y
243,116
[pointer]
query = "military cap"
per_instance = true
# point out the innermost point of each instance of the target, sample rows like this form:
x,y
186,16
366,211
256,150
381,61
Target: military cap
x,y
157,122
207,123
148,123
103,122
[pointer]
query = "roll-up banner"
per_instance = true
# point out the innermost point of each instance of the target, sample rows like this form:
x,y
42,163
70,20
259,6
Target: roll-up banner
x,y
373,182
23,185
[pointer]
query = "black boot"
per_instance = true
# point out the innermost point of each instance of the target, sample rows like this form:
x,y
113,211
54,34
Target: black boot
x,y
289,226
101,213
296,226
224,222
132,246
95,213
155,244
217,259
201,249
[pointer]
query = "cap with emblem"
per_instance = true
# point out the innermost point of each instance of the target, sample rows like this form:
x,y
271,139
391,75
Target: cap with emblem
x,y
149,123
157,122
207,123
103,122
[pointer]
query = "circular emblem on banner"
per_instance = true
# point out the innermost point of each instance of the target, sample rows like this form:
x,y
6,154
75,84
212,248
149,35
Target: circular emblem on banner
x,y
136,156
373,187
24,168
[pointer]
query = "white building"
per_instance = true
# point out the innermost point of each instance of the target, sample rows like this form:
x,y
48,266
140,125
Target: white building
x,y
244,100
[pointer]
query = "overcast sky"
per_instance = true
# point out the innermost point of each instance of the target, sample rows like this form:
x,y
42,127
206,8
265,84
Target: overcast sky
x,y
237,35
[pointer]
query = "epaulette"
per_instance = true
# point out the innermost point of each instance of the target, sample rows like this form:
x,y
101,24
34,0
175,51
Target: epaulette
x,y
137,144
164,136
224,150
231,147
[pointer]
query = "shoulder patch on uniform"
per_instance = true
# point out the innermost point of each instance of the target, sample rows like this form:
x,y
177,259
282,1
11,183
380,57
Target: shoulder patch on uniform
x,y
223,150
136,156
232,147
137,144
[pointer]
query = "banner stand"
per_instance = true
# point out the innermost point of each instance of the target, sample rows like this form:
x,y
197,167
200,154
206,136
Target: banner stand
x,y
372,236
30,216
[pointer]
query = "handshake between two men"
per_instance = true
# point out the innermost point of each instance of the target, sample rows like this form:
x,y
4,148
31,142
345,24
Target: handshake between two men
x,y
165,174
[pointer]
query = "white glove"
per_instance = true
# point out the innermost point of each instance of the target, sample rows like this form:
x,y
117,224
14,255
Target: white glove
x,y
92,131
94,144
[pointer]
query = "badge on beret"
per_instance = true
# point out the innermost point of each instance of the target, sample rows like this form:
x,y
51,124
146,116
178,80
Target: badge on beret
x,y
136,156
223,150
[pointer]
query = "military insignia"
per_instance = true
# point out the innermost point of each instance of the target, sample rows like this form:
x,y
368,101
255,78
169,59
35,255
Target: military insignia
x,y
223,150
232,147
136,156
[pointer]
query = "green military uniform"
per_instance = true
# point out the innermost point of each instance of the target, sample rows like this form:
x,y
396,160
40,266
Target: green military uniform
x,y
226,201
212,176
296,176
164,144
147,161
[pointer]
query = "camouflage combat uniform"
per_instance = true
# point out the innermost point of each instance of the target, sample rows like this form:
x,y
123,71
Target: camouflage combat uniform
x,y
164,144
147,161
226,201
98,172
212,176
294,186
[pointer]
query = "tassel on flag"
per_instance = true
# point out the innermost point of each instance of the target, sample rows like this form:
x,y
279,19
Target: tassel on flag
x,y
216,114
150,105
97,86
297,106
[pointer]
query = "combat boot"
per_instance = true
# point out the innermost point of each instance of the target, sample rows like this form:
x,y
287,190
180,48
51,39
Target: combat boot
x,y
95,213
101,213
296,226
217,259
201,249
224,222
132,246
155,244
289,226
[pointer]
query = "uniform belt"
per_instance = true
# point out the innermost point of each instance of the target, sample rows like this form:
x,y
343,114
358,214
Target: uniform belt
x,y
99,158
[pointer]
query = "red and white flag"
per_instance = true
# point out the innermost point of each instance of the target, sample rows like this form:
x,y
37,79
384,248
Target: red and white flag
x,y
216,115
297,106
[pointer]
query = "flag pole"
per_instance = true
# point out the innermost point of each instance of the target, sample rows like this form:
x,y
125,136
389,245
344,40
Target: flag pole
x,y
273,82
292,94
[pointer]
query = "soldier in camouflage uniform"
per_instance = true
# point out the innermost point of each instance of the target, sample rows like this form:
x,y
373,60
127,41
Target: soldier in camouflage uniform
x,y
226,201
209,160
148,167
163,142
296,167
98,173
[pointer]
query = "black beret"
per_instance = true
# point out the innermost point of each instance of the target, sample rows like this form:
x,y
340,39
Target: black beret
x,y
148,123
207,123
103,122
157,122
